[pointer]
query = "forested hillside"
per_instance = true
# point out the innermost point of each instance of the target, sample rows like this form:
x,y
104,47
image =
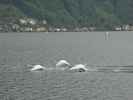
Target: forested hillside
x,y
103,13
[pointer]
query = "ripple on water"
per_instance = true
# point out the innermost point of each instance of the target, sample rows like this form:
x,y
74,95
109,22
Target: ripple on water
x,y
19,84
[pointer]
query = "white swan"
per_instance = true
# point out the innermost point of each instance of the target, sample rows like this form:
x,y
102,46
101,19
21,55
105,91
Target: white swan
x,y
37,68
63,64
79,68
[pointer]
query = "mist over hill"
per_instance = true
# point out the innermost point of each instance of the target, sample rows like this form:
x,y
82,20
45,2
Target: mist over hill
x,y
103,13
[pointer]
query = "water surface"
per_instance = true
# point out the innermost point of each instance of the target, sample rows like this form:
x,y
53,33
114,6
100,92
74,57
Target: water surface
x,y
19,49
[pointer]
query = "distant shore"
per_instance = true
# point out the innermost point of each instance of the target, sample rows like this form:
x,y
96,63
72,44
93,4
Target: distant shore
x,y
33,25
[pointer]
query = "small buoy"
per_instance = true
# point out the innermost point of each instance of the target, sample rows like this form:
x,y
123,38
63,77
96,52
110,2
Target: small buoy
x,y
106,35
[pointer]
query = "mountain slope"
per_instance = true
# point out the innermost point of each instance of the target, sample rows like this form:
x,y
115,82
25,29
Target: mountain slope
x,y
104,13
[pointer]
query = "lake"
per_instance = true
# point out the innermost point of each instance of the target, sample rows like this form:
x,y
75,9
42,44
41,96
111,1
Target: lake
x,y
20,49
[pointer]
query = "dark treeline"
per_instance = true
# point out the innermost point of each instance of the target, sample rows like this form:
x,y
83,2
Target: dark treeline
x,y
99,13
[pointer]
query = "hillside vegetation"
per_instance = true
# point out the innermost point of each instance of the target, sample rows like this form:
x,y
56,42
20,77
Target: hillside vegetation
x,y
103,13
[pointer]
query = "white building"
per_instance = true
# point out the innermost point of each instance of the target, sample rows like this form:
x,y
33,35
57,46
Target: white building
x,y
31,21
41,29
118,28
126,27
23,21
57,29
28,29
64,29
44,22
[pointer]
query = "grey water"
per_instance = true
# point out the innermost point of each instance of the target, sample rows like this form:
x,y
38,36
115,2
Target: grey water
x,y
20,49
91,48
